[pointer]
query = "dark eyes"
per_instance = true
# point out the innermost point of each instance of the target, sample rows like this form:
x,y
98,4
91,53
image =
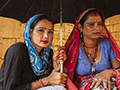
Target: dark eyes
x,y
42,30
93,24
51,32
100,24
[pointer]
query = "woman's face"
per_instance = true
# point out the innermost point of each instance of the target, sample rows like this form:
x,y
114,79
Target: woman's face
x,y
93,26
42,34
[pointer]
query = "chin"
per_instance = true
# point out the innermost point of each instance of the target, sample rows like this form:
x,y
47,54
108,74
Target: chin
x,y
44,45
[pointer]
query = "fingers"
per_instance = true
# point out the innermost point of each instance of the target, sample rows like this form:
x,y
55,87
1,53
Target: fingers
x,y
63,79
93,83
109,85
60,55
105,83
97,81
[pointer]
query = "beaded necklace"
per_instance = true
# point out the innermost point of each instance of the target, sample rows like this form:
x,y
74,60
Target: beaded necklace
x,y
91,56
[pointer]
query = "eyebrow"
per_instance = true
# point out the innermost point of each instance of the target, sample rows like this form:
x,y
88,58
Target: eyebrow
x,y
94,22
44,28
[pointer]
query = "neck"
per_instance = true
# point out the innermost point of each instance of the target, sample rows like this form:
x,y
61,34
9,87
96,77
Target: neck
x,y
38,48
90,42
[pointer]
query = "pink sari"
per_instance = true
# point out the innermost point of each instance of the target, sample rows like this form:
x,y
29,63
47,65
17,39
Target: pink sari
x,y
72,45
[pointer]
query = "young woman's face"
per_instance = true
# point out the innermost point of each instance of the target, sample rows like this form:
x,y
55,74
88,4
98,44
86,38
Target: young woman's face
x,y
42,34
93,26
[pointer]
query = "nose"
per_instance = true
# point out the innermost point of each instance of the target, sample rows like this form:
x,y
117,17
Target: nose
x,y
96,26
46,35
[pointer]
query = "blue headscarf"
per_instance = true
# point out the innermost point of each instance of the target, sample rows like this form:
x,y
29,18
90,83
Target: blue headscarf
x,y
39,65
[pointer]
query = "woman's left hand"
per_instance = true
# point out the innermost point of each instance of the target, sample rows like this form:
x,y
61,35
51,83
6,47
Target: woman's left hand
x,y
60,54
104,77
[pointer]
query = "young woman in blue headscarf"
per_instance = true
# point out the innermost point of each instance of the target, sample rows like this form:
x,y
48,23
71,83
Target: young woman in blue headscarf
x,y
29,65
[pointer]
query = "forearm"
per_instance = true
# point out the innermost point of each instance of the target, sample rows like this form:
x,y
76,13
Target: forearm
x,y
36,84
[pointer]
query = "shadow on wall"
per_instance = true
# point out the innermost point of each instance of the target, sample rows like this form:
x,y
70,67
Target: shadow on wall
x,y
11,31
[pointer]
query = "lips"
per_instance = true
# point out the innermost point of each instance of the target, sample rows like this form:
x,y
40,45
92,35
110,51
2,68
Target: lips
x,y
45,41
97,33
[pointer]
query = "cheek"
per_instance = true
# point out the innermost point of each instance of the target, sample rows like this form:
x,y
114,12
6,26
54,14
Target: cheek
x,y
50,37
88,29
37,37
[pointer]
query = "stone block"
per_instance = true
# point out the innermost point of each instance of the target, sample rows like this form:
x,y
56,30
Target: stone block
x,y
57,26
56,42
10,28
21,39
6,43
56,35
54,48
110,28
67,35
64,41
69,27
116,28
114,35
112,20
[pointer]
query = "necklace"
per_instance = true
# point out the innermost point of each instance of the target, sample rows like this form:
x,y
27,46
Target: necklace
x,y
92,56
88,46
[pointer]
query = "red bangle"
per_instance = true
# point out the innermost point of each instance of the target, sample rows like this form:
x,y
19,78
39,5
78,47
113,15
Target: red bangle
x,y
115,71
41,82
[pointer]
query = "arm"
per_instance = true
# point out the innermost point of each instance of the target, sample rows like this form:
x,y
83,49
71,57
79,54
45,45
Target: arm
x,y
106,75
116,65
13,65
55,78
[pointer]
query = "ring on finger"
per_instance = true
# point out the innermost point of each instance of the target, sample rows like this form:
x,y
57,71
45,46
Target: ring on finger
x,y
95,79
104,80
100,79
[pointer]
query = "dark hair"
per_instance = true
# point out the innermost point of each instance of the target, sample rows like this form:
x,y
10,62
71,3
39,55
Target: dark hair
x,y
85,17
38,19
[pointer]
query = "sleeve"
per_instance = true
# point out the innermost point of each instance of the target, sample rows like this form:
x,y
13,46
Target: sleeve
x,y
13,61
112,55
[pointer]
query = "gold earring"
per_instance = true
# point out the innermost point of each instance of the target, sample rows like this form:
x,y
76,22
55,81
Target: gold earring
x,y
81,34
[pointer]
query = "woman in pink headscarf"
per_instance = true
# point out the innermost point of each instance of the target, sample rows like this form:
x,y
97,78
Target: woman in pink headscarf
x,y
92,52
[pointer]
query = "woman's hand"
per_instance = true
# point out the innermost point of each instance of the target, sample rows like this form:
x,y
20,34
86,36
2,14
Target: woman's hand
x,y
60,54
104,77
57,78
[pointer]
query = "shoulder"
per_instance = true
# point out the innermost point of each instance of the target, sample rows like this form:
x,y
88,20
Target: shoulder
x,y
19,47
105,42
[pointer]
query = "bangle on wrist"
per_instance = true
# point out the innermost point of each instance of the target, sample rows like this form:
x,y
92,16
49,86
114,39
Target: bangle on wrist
x,y
117,73
40,81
